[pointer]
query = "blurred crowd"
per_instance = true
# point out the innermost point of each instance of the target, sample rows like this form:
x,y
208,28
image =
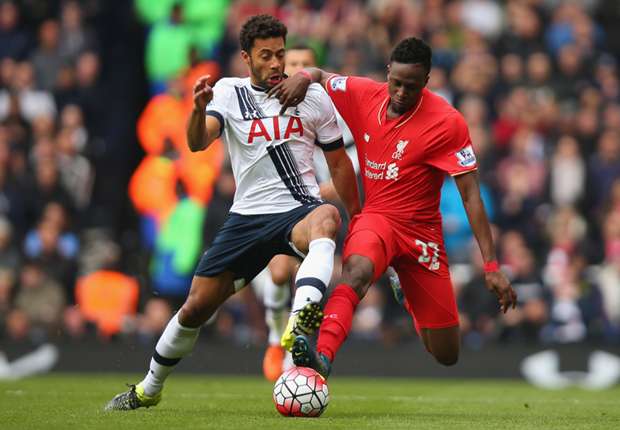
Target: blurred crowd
x,y
537,81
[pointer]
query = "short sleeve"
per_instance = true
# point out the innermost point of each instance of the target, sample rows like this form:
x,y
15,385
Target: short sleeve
x,y
218,106
327,128
452,150
346,92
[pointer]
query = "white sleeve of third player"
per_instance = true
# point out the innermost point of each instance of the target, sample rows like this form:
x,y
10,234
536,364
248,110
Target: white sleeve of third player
x,y
327,129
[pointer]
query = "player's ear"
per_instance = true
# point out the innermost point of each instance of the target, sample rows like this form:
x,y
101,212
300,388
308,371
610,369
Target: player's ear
x,y
246,57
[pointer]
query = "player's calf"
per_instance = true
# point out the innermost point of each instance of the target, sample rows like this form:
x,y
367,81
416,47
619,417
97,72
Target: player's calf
x,y
443,344
357,273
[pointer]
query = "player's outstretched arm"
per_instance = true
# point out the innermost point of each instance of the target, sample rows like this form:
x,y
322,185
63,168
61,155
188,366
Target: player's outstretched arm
x,y
496,281
201,131
344,180
292,90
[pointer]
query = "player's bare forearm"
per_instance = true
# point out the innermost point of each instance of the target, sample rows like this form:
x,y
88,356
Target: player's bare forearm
x,y
318,75
196,131
200,131
344,180
495,280
469,189
292,91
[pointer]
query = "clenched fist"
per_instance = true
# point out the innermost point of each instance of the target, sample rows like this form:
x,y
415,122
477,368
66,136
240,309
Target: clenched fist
x,y
203,93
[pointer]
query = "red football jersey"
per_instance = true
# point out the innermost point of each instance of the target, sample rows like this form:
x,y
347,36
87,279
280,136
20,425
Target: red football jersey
x,y
404,160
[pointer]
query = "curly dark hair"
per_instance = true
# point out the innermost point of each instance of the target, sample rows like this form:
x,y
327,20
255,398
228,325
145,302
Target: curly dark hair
x,y
412,51
260,27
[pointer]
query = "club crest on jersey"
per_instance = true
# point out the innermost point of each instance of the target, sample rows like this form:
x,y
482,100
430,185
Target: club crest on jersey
x,y
366,137
466,157
339,83
274,130
400,148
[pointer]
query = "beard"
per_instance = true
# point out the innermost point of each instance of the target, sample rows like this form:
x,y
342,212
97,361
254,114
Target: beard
x,y
257,79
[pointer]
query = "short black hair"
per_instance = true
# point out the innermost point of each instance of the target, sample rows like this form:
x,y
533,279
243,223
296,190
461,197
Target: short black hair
x,y
260,27
412,51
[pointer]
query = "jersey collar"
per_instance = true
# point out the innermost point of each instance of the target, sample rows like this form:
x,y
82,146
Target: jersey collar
x,y
382,113
261,89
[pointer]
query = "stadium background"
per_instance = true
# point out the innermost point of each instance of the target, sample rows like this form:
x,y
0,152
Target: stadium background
x,y
102,205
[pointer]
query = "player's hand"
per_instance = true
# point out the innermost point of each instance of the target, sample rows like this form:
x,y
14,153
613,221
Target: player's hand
x,y
203,93
291,91
500,285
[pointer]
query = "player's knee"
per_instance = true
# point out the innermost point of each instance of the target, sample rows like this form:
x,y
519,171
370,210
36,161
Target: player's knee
x,y
447,359
280,273
327,221
192,313
196,310
280,277
358,277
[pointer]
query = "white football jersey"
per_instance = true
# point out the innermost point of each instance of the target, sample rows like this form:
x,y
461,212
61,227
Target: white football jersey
x,y
271,154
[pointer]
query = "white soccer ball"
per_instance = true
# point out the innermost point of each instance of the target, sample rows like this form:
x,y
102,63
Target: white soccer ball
x,y
301,392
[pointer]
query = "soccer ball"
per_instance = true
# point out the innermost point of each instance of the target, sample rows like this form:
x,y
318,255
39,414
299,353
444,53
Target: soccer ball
x,y
301,392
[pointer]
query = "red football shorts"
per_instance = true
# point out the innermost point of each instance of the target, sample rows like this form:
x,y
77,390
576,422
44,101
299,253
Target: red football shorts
x,y
417,253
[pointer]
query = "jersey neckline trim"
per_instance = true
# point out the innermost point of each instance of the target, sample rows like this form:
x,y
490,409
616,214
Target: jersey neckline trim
x,y
401,122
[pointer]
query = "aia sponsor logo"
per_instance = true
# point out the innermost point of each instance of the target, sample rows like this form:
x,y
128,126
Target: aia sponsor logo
x,y
275,128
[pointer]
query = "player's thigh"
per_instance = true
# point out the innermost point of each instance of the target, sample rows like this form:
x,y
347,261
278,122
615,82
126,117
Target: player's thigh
x,y
371,237
364,257
282,268
323,221
207,293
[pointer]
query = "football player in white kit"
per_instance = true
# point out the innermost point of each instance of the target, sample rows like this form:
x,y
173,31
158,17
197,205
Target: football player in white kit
x,y
273,282
276,208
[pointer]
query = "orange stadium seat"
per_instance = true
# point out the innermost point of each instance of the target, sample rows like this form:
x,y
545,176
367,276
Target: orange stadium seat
x,y
152,188
105,298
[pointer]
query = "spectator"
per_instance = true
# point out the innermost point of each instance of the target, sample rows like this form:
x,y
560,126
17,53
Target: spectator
x,y
7,285
604,168
568,173
9,255
45,187
532,312
609,276
76,171
55,254
25,102
39,299
75,37
47,59
89,92
13,40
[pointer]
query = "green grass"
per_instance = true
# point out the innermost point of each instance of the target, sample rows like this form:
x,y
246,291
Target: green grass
x,y
63,401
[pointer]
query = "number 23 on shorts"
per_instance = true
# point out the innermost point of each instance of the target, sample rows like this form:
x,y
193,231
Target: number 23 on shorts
x,y
429,256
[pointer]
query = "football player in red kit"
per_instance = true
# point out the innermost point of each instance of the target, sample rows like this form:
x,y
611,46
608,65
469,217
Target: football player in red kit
x,y
408,139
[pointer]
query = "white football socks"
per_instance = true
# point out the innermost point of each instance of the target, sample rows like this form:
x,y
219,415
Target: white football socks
x,y
275,300
175,343
314,273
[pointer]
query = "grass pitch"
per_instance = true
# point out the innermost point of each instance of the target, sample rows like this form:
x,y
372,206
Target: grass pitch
x,y
62,401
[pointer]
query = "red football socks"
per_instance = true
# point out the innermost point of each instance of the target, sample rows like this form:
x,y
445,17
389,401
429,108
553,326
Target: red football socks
x,y
337,321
